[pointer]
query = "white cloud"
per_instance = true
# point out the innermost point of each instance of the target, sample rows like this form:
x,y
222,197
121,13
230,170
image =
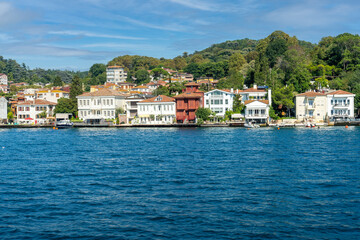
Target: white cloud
x,y
208,5
90,34
171,27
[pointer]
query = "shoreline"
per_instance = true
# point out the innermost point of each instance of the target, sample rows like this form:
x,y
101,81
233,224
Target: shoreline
x,y
190,125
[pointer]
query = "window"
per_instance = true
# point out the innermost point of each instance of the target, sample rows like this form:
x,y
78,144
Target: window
x,y
332,112
262,111
207,101
348,101
57,95
212,101
27,109
88,102
226,101
111,102
332,102
108,102
348,112
159,107
216,102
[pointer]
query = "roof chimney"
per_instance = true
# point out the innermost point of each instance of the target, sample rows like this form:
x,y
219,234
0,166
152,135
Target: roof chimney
x,y
255,86
231,90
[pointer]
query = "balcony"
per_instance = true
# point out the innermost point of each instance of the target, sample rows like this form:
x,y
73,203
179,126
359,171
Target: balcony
x,y
341,105
310,106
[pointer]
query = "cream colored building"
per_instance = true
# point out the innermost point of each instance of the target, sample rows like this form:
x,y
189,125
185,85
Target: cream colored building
x,y
156,110
115,74
51,95
311,106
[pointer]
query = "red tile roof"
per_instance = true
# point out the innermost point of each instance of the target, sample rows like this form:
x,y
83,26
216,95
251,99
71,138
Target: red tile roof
x,y
192,84
162,97
311,94
339,92
250,101
102,92
188,95
253,90
37,102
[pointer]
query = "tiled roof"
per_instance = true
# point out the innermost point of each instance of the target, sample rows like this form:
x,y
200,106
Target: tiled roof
x,y
160,98
140,87
253,90
311,94
37,102
115,67
188,95
250,101
339,92
192,84
102,92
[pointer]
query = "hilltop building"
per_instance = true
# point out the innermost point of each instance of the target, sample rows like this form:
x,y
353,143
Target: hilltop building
x,y
115,74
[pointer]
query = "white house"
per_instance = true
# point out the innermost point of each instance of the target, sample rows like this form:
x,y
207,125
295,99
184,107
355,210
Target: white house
x,y
99,105
157,110
142,89
51,95
31,111
319,106
3,79
340,104
219,101
311,106
132,107
254,93
115,74
257,111
3,108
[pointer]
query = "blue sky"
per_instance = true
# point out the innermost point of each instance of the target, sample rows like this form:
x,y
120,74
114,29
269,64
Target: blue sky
x,y
76,34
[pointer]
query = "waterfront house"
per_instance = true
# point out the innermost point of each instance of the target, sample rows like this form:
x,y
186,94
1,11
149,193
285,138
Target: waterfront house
x,y
340,104
35,111
188,102
131,105
257,111
51,95
99,105
115,74
254,93
219,101
157,110
3,79
3,109
311,106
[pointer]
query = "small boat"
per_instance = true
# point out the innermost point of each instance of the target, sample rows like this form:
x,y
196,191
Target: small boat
x,y
64,124
310,125
251,125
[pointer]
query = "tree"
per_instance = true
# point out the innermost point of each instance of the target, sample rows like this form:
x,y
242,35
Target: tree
x,y
236,81
57,81
10,116
142,76
283,99
236,61
161,90
238,106
76,88
97,69
158,72
203,113
43,114
66,105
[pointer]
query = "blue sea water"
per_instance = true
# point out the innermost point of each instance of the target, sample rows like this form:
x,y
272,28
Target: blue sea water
x,y
178,183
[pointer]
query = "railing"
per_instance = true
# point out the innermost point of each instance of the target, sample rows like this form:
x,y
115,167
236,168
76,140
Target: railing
x,y
341,105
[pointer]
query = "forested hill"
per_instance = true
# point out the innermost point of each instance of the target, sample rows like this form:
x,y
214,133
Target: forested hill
x,y
21,73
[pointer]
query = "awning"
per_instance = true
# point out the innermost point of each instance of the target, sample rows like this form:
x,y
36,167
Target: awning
x,y
29,119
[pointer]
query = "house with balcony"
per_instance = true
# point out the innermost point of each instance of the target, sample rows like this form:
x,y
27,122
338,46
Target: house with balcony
x,y
131,106
340,104
257,111
35,111
115,74
188,102
157,110
95,107
311,106
219,101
